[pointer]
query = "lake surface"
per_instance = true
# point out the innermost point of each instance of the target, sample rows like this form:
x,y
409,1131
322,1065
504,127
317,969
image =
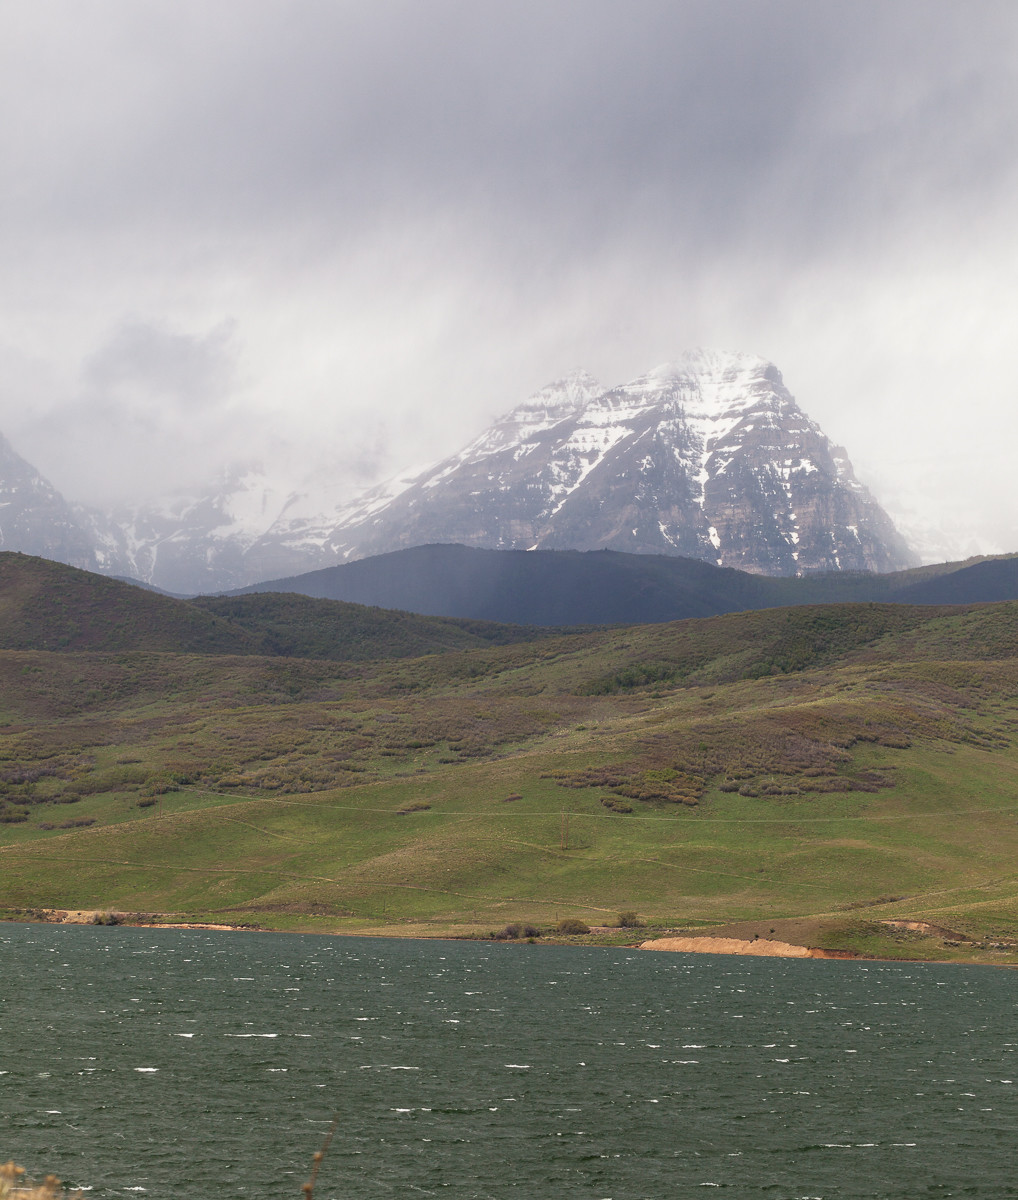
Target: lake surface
x,y
199,1065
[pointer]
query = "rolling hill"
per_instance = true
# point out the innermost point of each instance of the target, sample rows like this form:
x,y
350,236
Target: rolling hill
x,y
46,605
49,606
570,587
844,773
983,582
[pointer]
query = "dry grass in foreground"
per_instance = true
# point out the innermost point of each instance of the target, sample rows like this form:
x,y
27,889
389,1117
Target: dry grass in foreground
x,y
14,1185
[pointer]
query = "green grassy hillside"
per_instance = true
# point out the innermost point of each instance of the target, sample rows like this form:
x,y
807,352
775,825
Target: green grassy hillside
x,y
302,627
815,772
48,606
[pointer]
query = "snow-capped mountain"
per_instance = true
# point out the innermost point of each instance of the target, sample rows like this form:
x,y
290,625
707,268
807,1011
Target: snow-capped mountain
x,y
35,518
709,458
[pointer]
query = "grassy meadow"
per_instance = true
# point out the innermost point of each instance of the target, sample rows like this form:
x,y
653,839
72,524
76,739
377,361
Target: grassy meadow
x,y
842,775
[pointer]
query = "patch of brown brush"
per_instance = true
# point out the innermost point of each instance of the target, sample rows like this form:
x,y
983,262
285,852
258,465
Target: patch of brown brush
x,y
14,1185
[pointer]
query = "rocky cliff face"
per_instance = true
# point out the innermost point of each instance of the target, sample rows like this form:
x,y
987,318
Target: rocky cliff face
x,y
709,458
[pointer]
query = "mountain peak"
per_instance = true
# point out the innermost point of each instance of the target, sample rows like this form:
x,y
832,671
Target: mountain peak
x,y
569,393
709,360
666,372
700,370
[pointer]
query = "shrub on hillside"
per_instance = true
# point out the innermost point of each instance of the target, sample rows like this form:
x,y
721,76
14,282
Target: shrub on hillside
x,y
619,806
516,930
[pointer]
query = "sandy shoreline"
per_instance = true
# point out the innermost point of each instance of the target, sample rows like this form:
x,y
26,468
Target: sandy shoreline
x,y
692,944
759,947
89,916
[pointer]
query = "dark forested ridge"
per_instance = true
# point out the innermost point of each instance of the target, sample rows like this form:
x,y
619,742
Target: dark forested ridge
x,y
571,587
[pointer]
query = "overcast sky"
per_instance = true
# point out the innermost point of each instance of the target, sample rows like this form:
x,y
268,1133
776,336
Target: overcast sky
x,y
367,227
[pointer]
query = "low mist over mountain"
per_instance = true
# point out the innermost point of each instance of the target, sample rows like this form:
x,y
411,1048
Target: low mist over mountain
x,y
710,458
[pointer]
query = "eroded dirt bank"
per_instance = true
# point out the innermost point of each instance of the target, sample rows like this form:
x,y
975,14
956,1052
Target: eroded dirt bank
x,y
762,947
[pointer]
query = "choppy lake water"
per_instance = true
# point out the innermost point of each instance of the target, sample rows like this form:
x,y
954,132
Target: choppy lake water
x,y
193,1065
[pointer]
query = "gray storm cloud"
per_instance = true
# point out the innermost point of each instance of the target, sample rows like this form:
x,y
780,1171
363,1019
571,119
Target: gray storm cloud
x,y
367,228
146,371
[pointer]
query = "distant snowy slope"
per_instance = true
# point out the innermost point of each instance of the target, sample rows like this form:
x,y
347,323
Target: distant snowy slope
x,y
35,518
